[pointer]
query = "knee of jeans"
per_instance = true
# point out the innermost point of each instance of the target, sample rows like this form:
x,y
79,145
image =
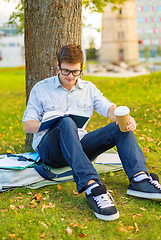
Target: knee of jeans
x,y
67,122
117,129
127,133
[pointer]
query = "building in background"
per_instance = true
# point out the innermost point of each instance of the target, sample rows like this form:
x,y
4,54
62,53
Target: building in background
x,y
11,47
8,29
134,29
119,35
149,28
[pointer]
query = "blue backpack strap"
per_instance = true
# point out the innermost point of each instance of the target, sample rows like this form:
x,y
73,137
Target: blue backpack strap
x,y
48,175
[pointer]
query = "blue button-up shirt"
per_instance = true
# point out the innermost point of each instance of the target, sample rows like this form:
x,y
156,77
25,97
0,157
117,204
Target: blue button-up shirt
x,y
50,95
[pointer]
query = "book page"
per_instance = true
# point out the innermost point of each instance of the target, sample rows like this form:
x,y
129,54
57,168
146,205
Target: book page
x,y
108,158
52,114
13,162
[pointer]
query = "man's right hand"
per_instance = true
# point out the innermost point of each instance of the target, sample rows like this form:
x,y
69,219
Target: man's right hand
x,y
31,126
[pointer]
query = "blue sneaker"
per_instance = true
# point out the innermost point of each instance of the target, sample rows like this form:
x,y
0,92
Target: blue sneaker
x,y
101,201
146,188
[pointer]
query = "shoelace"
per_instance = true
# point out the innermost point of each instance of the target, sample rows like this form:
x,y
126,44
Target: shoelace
x,y
104,200
155,183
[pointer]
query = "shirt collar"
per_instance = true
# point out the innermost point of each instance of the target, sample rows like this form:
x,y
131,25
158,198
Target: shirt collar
x,y
57,82
79,83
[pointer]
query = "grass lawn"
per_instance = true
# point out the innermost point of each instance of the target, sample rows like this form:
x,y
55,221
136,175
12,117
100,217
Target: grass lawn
x,y
46,213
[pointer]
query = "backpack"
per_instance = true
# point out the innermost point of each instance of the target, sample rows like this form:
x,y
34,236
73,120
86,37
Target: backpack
x,y
27,170
19,170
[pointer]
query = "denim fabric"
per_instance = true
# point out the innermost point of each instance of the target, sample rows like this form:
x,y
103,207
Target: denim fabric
x,y
49,95
61,146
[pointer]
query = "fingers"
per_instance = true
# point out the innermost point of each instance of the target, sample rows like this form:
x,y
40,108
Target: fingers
x,y
131,125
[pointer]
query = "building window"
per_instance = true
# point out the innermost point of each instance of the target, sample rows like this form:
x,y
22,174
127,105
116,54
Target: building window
x,y
120,35
139,30
157,8
155,19
120,11
138,9
141,53
12,44
0,56
146,42
153,53
148,30
140,20
150,42
155,41
148,8
121,55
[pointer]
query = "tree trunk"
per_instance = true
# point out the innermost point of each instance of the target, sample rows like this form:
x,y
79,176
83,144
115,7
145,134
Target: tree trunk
x,y
49,24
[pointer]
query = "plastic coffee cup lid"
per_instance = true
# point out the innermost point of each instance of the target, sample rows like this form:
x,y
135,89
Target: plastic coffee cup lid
x,y
121,111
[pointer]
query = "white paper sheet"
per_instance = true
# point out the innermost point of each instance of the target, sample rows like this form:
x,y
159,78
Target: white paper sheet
x,y
108,158
12,162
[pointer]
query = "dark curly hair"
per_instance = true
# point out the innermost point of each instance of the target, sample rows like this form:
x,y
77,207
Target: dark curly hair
x,y
71,53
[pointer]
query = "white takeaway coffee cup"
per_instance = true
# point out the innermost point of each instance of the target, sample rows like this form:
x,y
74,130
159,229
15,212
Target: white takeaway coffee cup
x,y
122,115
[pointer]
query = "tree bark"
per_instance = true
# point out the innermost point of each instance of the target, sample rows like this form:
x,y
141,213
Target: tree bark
x,y
49,24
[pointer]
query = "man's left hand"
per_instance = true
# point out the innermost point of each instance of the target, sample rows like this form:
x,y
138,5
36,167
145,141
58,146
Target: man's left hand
x,y
131,125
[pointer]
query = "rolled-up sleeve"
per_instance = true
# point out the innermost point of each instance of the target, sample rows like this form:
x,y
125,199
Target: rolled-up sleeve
x,y
101,103
34,109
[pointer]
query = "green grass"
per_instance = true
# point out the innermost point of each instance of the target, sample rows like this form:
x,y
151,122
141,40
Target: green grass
x,y
45,213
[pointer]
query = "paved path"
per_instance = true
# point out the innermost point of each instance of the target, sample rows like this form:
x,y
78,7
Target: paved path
x,y
120,74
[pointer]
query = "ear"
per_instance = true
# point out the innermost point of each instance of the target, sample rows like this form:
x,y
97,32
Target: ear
x,y
58,65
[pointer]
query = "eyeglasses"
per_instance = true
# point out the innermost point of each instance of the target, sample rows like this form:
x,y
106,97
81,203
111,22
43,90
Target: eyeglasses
x,y
66,72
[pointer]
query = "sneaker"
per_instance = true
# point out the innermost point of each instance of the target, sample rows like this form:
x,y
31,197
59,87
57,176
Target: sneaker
x,y
146,188
102,204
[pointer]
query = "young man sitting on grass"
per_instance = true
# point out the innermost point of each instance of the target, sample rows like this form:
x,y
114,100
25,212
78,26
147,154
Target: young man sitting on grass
x,y
64,144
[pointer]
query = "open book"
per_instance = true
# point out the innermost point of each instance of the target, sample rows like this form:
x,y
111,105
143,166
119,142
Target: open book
x,y
108,158
49,119
14,162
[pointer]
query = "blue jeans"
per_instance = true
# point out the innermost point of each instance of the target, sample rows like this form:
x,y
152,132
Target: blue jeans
x,y
60,146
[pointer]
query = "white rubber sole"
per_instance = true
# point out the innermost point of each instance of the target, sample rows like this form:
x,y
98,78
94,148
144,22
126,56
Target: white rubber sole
x,y
107,218
153,196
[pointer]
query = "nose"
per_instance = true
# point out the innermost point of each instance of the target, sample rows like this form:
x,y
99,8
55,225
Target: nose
x,y
70,74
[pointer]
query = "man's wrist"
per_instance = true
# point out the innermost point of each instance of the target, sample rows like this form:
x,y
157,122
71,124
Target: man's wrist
x,y
110,113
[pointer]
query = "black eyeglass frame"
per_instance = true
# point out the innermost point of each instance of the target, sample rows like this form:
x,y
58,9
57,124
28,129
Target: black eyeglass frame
x,y
70,71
